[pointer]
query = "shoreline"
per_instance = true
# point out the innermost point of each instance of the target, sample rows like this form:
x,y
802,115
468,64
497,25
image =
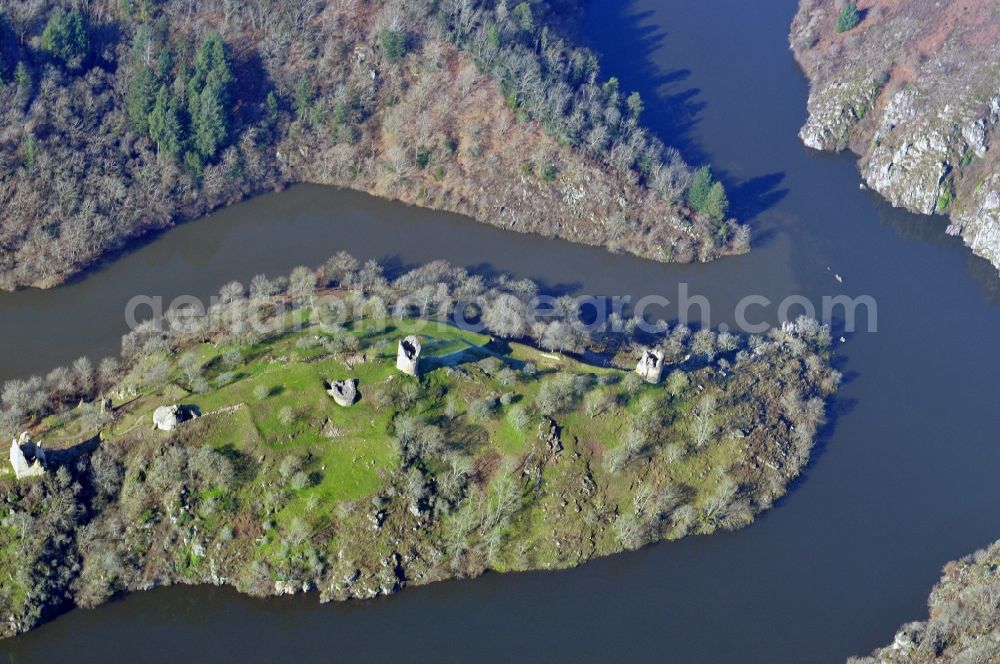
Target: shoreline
x,y
902,98
431,120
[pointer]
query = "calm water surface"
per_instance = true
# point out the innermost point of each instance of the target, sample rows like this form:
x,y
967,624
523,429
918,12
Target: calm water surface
x,y
905,477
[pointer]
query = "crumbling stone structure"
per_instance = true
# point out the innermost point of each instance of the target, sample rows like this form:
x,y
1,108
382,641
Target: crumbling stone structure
x,y
344,392
650,366
408,355
166,418
27,458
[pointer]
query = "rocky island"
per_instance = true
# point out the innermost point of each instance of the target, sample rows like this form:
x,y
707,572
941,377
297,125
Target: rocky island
x,y
338,432
912,88
127,116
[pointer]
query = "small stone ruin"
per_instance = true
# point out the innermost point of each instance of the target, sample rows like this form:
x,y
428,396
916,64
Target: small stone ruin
x,y
549,433
650,366
408,355
166,418
27,458
344,392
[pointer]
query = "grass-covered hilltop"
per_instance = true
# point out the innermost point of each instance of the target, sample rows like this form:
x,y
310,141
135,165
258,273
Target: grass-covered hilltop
x,y
964,622
121,117
505,451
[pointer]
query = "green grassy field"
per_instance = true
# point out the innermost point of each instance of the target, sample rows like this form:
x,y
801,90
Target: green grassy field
x,y
274,404
276,487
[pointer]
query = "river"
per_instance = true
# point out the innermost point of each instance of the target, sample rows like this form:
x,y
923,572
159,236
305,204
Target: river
x,y
903,480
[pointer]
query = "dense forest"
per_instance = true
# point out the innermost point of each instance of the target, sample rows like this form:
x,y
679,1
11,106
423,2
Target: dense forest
x,y
120,117
504,452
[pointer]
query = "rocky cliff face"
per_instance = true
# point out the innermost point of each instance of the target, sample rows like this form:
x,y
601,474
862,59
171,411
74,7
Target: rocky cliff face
x,y
914,90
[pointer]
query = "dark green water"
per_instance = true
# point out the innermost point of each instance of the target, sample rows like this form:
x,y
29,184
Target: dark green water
x,y
904,479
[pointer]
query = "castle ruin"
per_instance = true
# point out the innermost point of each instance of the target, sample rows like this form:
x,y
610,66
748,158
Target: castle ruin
x,y
408,355
27,458
650,366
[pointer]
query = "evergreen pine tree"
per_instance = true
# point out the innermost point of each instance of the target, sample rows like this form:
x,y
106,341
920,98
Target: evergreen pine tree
x,y
522,15
848,18
701,185
165,125
635,105
65,36
211,66
22,77
139,100
208,90
716,203
210,125
394,44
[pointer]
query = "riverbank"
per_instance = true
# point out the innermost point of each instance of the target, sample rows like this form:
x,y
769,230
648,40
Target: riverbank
x,y
452,111
497,456
853,548
906,91
964,623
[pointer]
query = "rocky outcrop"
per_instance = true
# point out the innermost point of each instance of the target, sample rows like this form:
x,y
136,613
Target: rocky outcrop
x,y
833,115
907,92
980,226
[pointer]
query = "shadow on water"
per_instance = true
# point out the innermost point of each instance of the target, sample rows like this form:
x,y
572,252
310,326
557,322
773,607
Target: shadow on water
x,y
553,288
749,198
394,266
837,407
673,106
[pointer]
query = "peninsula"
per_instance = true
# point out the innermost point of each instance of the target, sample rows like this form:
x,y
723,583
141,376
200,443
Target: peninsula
x,y
335,431
124,117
